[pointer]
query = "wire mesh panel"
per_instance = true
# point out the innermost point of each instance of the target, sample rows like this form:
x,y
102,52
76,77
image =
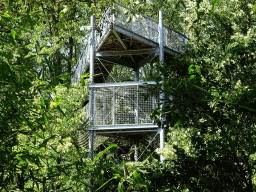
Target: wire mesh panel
x,y
81,64
138,23
122,104
147,27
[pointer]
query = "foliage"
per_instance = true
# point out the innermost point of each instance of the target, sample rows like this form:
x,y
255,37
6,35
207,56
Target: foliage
x,y
33,136
209,107
210,93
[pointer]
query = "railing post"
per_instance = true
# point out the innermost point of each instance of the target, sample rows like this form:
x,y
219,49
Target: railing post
x,y
113,15
114,106
91,133
150,30
104,109
137,96
162,95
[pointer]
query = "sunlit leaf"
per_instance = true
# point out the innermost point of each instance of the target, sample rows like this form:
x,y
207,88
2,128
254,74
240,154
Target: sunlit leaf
x,y
192,77
253,7
213,5
20,159
13,33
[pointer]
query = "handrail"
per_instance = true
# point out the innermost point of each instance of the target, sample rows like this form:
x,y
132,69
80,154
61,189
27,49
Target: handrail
x,y
120,4
131,83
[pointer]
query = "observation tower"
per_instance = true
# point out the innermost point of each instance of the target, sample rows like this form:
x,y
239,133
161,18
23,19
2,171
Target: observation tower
x,y
117,111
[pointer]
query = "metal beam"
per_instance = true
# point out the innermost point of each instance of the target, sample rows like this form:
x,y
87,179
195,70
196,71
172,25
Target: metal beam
x,y
143,39
137,131
103,38
122,43
115,63
119,39
147,59
144,83
152,126
126,52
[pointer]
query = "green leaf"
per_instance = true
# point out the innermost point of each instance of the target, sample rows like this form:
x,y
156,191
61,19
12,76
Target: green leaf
x,y
137,176
190,69
40,136
82,82
6,16
20,159
9,55
248,108
13,33
85,75
177,124
192,77
60,25
129,19
121,186
30,22
44,181
213,5
106,183
54,103
60,110
89,3
101,153
253,7
42,103
46,141
201,89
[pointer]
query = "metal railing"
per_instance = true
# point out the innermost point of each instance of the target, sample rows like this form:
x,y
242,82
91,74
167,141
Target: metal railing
x,y
139,24
127,103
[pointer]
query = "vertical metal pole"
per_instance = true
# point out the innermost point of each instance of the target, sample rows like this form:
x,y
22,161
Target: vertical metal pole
x,y
91,138
161,45
132,28
161,58
92,50
136,74
135,152
137,106
150,30
104,109
91,133
113,14
114,105
137,97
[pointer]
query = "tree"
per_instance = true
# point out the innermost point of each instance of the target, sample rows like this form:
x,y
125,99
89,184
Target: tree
x,y
30,159
210,93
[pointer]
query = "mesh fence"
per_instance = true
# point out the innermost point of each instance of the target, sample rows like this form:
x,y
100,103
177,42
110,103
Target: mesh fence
x,y
123,105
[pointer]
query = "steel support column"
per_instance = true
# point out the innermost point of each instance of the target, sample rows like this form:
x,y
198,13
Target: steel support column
x,y
91,133
162,95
